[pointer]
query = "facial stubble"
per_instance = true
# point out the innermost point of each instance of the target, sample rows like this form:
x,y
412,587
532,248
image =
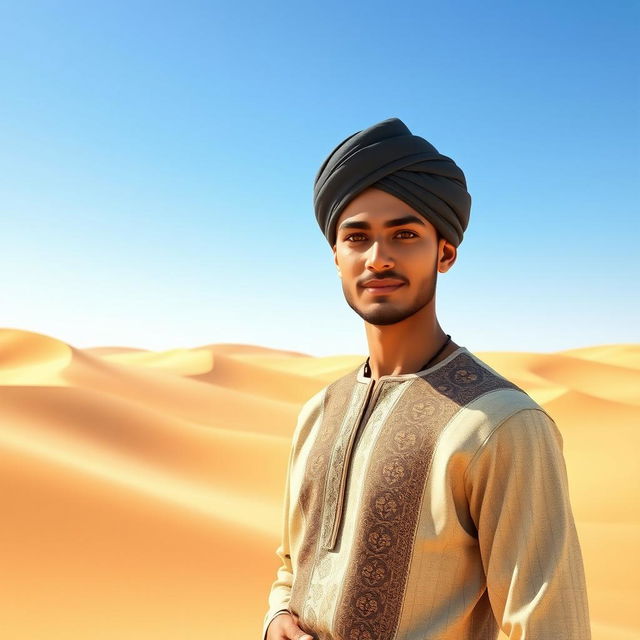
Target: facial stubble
x,y
387,311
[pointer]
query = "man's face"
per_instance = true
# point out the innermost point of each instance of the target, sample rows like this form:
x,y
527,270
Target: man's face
x,y
381,238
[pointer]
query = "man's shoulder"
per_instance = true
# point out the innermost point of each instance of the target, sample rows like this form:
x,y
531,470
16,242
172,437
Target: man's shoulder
x,y
516,417
337,391
341,386
468,382
505,395
483,398
313,403
343,382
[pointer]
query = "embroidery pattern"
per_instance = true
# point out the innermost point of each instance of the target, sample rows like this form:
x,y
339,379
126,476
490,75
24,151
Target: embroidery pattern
x,y
337,464
330,563
374,585
343,392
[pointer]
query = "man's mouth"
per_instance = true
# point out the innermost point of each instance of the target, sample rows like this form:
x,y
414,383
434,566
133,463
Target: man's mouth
x,y
378,290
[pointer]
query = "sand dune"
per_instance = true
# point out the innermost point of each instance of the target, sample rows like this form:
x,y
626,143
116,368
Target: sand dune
x,y
141,490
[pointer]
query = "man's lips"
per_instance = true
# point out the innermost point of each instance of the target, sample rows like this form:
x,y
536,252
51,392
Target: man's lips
x,y
382,286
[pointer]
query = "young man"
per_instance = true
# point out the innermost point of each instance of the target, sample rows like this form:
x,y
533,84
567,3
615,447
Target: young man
x,y
426,494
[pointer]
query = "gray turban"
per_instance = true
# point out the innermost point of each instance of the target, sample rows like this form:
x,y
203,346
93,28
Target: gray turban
x,y
389,157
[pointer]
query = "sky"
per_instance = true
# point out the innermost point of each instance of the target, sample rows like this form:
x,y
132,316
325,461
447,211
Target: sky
x,y
157,164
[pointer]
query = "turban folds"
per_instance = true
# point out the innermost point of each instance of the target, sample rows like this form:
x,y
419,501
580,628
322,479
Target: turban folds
x,y
389,157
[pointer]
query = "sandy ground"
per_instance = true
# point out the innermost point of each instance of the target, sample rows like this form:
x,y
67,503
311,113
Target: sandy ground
x,y
141,491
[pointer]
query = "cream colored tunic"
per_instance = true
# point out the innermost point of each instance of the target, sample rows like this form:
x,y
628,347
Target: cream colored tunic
x,y
429,506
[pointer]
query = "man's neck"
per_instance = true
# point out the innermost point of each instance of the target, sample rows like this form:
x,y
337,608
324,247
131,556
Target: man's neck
x,y
405,347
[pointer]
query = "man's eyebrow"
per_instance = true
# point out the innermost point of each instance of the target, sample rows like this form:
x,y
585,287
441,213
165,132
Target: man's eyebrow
x,y
396,222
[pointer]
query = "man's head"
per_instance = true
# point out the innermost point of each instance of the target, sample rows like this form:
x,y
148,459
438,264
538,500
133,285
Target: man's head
x,y
375,176
381,240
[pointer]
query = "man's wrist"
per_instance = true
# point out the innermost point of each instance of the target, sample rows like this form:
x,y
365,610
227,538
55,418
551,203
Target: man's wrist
x,y
275,615
281,611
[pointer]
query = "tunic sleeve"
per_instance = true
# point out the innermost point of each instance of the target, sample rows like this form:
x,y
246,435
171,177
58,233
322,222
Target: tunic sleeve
x,y
518,495
280,592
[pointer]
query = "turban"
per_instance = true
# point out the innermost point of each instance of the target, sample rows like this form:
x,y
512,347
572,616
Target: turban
x,y
389,157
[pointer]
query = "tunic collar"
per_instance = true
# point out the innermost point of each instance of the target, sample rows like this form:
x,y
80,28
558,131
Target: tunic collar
x,y
360,377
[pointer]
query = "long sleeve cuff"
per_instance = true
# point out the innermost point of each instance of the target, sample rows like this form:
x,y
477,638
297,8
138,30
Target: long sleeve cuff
x,y
268,619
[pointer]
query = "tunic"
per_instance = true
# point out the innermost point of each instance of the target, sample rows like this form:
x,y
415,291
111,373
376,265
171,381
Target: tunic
x,y
429,506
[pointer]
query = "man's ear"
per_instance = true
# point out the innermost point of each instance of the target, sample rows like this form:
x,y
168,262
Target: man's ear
x,y
448,254
335,259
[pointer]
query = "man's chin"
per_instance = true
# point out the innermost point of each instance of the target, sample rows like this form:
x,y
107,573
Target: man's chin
x,y
382,317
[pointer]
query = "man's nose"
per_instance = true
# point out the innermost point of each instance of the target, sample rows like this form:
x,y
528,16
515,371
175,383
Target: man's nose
x,y
378,256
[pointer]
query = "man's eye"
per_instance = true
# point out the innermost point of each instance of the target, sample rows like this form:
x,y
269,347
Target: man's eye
x,y
355,235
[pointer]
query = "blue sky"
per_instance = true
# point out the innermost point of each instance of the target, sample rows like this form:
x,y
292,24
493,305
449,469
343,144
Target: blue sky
x,y
157,164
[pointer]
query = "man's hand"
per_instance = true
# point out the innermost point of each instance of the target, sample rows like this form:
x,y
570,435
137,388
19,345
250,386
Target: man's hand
x,y
285,627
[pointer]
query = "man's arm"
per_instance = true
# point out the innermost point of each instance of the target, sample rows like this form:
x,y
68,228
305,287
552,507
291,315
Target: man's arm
x,y
518,496
281,588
